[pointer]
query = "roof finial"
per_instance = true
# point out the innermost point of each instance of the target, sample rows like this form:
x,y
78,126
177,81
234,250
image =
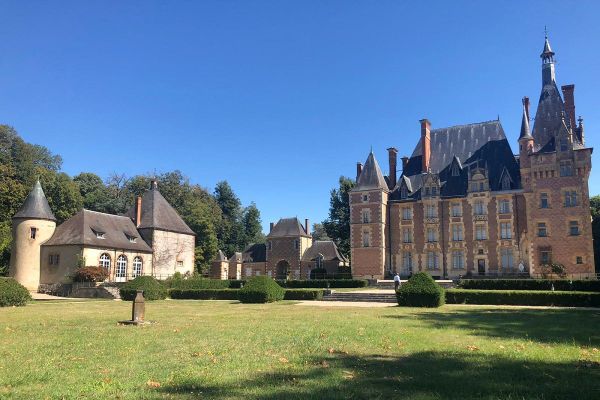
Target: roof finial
x,y
545,32
371,149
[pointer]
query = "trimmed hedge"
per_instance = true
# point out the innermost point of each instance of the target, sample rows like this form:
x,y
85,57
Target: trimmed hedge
x,y
204,294
420,291
322,283
261,289
303,294
12,293
199,282
523,297
90,274
531,284
153,289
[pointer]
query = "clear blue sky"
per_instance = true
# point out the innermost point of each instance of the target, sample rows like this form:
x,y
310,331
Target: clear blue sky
x,y
280,98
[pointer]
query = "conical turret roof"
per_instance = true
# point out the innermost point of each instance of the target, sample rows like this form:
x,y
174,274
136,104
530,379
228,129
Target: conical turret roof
x,y
371,176
525,133
35,205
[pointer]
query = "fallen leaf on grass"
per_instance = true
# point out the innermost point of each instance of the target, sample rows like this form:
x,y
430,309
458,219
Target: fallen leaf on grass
x,y
348,375
283,360
331,351
175,330
153,384
472,347
324,364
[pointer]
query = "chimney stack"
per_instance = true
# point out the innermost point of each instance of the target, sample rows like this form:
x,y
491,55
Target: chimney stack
x,y
358,170
404,162
425,144
138,211
271,225
306,227
393,161
526,104
569,96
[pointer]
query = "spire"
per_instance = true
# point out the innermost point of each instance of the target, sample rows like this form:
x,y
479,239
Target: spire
x,y
547,57
547,54
525,133
36,205
371,176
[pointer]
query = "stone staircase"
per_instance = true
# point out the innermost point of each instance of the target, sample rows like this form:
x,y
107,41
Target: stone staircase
x,y
383,297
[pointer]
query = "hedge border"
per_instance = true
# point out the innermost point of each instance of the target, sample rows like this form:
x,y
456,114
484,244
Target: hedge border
x,y
204,294
303,294
323,283
531,284
523,297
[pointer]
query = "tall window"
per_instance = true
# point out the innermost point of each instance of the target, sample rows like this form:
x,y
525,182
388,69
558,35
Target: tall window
x,y
544,203
574,228
403,192
570,198
545,257
406,213
296,244
456,210
137,266
506,256
458,260
431,211
505,182
457,232
431,235
566,168
505,230
407,235
33,232
365,216
504,206
105,261
480,232
432,260
121,271
542,230
366,239
479,208
407,261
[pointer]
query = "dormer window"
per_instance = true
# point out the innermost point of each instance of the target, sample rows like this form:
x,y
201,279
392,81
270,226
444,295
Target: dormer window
x,y
132,239
99,234
506,182
403,192
455,170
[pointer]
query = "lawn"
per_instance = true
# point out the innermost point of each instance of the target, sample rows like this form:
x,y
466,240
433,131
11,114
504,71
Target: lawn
x,y
226,350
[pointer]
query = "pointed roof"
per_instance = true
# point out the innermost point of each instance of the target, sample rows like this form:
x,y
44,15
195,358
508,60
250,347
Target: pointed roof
x,y
525,134
157,213
288,227
96,229
326,248
371,176
36,205
547,52
221,256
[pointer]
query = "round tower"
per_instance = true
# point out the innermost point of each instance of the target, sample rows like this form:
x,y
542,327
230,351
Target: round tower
x,y
31,227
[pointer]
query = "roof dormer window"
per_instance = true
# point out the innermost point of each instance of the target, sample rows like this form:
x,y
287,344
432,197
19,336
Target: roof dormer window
x,y
132,239
403,192
100,235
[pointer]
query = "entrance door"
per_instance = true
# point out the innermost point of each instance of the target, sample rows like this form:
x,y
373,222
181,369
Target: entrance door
x,y
481,267
283,269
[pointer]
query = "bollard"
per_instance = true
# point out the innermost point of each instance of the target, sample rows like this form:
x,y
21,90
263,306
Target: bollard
x,y
139,307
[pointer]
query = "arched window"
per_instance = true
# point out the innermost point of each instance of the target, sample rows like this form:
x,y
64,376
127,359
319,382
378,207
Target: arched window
x,y
138,266
505,182
105,261
121,271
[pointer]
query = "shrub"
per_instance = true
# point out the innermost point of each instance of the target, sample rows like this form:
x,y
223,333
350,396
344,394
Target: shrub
x,y
90,274
303,294
322,283
198,282
12,293
153,289
205,294
523,297
420,291
530,284
261,289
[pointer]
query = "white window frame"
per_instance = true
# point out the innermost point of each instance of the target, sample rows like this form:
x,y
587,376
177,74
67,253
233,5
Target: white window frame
x,y
138,266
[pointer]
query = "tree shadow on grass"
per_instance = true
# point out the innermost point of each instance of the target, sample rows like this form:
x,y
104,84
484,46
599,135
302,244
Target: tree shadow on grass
x,y
425,375
546,326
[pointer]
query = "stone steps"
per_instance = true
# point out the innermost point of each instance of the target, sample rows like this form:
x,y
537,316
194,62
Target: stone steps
x,y
358,296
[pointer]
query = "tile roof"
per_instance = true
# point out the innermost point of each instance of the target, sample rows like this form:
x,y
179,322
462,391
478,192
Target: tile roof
x,y
36,205
157,213
85,227
325,247
288,227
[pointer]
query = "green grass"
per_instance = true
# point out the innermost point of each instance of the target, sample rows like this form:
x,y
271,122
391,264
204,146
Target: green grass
x,y
226,350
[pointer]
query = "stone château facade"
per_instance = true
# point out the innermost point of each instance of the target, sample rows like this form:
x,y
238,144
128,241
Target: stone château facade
x,y
464,204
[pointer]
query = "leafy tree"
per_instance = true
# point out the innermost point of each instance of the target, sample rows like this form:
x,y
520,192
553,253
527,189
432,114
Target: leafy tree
x,y
231,231
319,233
252,225
62,194
337,225
93,191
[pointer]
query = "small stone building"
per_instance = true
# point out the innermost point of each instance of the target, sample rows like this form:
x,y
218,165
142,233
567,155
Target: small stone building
x,y
151,239
289,253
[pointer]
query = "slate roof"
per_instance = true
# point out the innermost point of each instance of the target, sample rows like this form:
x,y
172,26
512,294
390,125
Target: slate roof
x,y
371,176
325,247
548,117
157,213
482,144
221,256
36,205
236,257
525,133
288,227
255,252
82,229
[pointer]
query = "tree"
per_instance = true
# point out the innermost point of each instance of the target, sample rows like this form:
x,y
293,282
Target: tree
x,y
62,194
252,225
231,231
337,225
319,233
93,191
